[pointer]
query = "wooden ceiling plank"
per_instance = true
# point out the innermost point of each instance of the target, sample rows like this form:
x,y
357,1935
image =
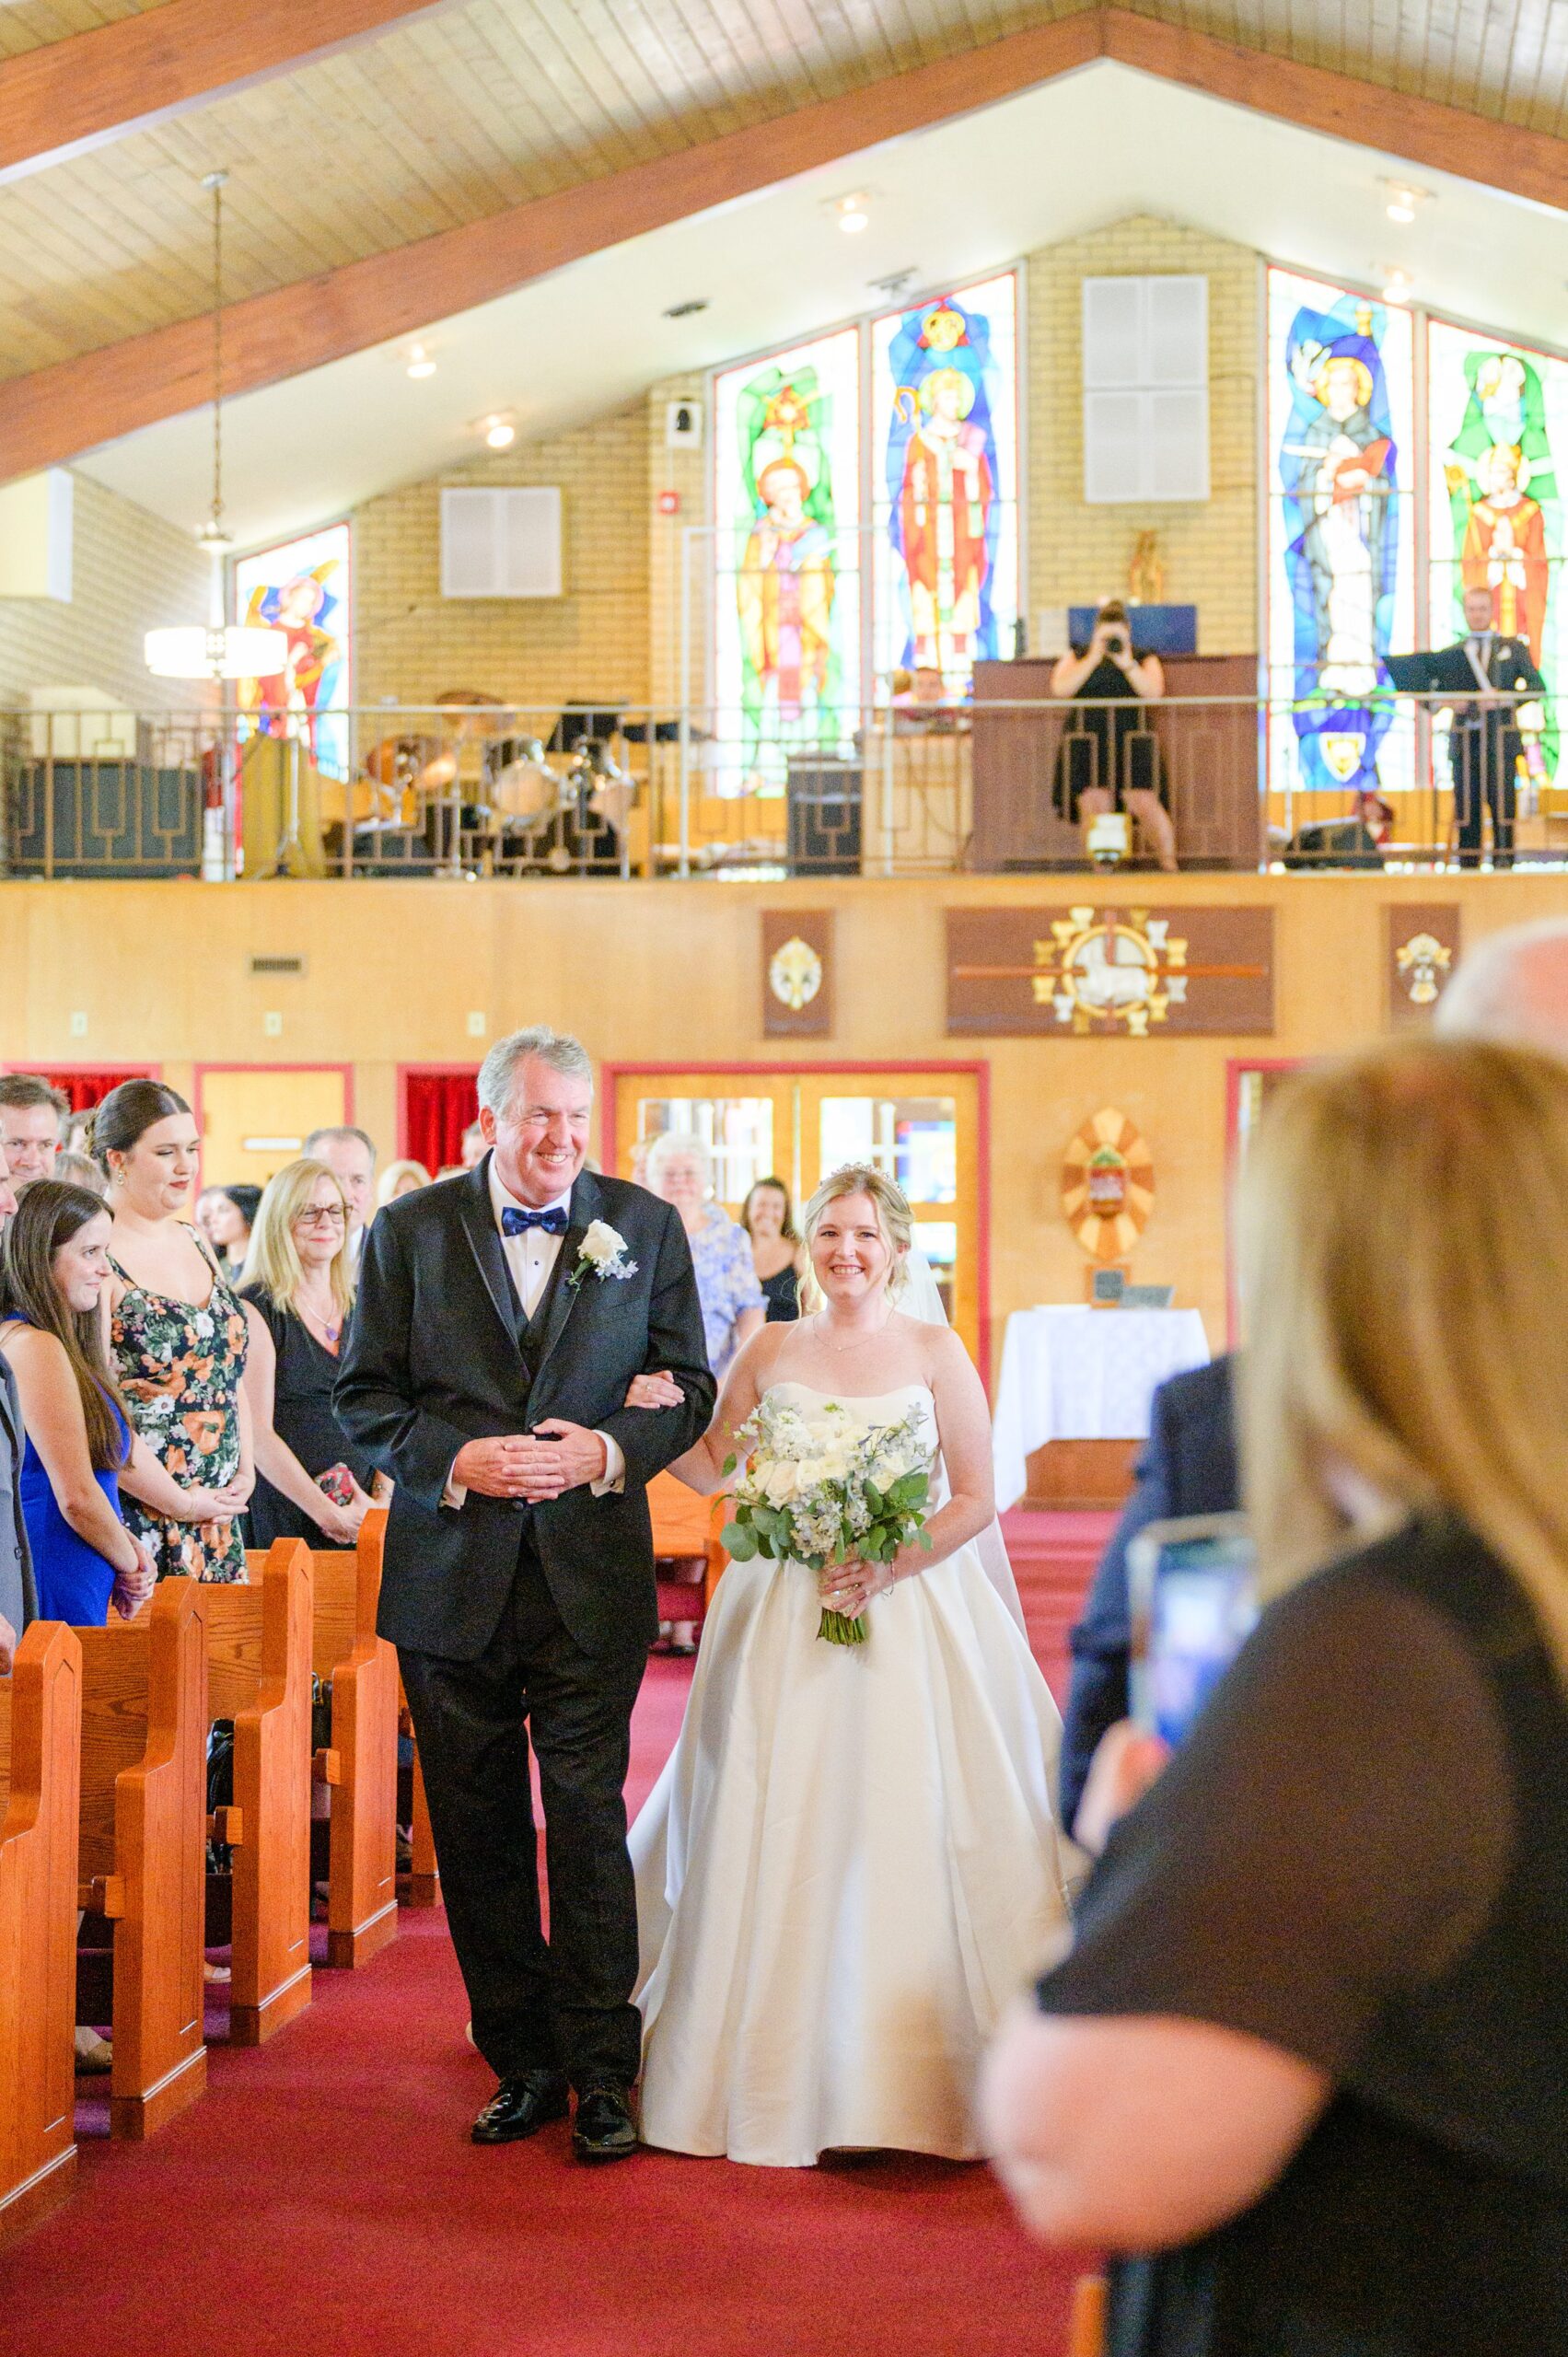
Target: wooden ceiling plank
x,y
65,96
56,412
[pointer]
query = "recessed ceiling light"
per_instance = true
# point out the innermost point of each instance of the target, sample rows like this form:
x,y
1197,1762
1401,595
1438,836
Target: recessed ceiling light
x,y
1402,200
1397,286
686,310
500,433
853,212
419,363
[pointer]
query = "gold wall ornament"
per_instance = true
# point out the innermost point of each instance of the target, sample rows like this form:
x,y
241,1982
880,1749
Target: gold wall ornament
x,y
795,973
1424,961
1422,942
1108,1186
1145,575
1122,966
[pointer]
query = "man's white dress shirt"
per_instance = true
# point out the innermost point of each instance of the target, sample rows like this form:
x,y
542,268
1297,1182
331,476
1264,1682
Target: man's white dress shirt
x,y
530,1258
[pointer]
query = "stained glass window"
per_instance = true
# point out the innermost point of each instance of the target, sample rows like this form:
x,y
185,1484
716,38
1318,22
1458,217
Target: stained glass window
x,y
1340,586
1497,454
787,493
945,490
302,587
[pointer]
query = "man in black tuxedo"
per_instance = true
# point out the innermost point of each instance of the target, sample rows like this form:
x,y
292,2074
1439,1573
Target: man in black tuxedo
x,y
1187,1466
1484,741
500,1319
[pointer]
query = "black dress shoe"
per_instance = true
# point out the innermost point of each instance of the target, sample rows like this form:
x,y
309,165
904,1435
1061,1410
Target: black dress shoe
x,y
604,2129
521,2105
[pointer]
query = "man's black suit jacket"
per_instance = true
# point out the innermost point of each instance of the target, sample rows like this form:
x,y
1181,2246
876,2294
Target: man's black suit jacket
x,y
433,1359
1188,1467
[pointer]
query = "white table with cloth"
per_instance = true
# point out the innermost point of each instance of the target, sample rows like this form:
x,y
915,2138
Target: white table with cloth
x,y
1072,1373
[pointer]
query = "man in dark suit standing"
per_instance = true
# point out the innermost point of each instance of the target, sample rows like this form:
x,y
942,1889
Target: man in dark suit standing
x,y
1188,1467
500,1319
18,1598
1484,741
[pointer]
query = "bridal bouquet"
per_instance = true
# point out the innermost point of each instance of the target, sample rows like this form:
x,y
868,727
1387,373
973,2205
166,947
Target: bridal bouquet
x,y
818,1488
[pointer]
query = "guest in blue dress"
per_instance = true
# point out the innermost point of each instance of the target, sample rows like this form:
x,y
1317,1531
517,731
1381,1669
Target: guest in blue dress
x,y
53,1268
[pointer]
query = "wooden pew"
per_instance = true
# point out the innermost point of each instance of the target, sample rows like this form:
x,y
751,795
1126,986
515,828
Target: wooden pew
x,y
40,1737
258,1676
143,1855
687,1526
362,1767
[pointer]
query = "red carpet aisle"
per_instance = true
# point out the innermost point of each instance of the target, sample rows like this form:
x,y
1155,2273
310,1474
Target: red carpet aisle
x,y
324,2197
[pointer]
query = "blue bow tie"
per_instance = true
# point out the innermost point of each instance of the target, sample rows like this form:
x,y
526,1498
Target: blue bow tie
x,y
515,1223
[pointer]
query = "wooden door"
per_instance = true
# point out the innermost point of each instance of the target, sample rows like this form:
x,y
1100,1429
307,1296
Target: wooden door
x,y
255,1118
922,1127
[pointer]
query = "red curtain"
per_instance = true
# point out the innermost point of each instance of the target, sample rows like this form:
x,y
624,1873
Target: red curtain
x,y
86,1089
437,1109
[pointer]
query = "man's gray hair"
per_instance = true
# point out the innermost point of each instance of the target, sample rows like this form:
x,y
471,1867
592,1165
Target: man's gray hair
x,y
557,1048
1513,987
333,1133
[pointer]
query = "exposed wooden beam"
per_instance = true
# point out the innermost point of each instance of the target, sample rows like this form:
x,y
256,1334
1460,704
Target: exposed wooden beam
x,y
1530,164
70,95
55,414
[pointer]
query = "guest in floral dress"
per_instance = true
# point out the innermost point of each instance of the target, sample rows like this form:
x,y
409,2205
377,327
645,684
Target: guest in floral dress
x,y
176,1331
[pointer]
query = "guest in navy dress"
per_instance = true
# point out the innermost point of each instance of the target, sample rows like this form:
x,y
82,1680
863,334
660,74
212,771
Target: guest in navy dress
x,y
53,1268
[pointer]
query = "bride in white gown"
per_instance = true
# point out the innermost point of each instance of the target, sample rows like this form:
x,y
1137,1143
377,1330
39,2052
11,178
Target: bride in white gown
x,y
850,1863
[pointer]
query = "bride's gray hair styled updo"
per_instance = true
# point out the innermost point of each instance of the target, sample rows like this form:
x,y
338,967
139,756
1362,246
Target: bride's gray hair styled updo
x,y
894,1219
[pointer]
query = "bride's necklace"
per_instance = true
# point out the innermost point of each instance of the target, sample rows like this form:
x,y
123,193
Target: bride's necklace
x,y
314,1319
856,1341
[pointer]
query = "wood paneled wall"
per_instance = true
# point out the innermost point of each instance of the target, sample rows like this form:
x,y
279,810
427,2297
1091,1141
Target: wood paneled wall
x,y
665,971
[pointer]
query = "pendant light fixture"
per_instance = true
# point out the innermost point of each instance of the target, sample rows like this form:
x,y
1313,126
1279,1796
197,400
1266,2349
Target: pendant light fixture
x,y
216,650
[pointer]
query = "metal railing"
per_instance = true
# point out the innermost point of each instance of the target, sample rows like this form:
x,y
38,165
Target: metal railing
x,y
885,789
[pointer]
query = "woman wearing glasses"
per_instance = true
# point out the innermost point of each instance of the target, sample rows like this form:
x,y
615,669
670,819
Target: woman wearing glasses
x,y
311,1481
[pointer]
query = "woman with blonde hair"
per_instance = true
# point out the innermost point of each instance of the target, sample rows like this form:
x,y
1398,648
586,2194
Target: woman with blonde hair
x,y
849,1860
1310,2046
403,1177
312,1481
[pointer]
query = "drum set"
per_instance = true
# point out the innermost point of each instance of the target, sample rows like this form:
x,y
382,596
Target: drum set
x,y
479,799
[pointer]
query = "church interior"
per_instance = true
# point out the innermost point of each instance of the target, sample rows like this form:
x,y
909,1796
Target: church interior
x,y
963,587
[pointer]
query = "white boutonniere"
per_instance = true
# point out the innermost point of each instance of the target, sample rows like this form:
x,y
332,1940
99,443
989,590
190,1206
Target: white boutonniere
x,y
602,1253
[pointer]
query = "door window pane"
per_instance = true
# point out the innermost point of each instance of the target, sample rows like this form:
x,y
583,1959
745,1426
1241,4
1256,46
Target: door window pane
x,y
736,1131
913,1139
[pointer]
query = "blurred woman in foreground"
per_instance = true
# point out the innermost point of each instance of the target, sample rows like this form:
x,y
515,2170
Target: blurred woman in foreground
x,y
1310,2046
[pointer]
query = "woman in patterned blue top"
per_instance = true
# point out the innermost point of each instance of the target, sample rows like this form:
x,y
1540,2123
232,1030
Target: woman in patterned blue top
x,y
680,1170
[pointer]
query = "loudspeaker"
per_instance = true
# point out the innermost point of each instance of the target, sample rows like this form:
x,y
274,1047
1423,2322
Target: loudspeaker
x,y
824,817
1333,843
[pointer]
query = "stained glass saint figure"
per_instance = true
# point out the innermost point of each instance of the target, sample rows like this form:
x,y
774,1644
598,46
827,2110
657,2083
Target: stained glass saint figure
x,y
943,488
785,583
1337,463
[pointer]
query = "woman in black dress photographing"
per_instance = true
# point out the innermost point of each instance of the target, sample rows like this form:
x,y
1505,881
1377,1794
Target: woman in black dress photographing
x,y
1109,760
312,1482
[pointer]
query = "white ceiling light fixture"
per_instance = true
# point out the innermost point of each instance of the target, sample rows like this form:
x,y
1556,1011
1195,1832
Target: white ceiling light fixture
x,y
1402,200
853,213
500,432
1397,286
419,365
216,650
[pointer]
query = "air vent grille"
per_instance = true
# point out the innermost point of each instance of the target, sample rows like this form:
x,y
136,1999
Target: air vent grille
x,y
277,965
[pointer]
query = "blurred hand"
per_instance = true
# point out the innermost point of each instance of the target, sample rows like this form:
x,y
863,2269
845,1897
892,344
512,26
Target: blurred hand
x,y
849,1587
7,1646
513,1466
657,1391
131,1590
209,1505
1126,1762
339,1525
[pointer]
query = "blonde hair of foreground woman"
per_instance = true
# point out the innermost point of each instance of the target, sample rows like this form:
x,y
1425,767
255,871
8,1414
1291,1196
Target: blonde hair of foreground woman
x,y
893,1218
1404,1256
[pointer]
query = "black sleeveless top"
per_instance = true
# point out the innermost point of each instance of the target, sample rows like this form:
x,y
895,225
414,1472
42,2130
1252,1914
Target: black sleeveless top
x,y
1361,1856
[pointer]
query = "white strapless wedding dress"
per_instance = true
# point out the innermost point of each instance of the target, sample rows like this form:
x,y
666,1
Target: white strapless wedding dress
x,y
848,1866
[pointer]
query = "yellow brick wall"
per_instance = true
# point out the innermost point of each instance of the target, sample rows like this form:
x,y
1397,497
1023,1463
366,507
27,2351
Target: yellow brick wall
x,y
131,572
413,643
1209,548
616,632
